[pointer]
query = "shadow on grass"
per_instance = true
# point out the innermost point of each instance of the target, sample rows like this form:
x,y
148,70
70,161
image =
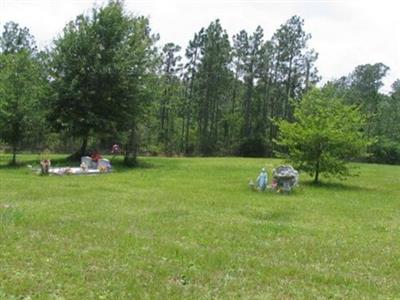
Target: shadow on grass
x,y
268,215
335,186
10,166
118,165
58,162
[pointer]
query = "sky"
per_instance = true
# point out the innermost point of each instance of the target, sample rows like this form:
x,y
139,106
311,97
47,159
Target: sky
x,y
344,33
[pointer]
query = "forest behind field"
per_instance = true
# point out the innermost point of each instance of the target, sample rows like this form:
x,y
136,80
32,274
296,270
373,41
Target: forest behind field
x,y
106,79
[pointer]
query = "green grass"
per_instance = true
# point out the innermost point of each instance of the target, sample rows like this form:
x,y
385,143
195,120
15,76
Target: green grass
x,y
189,228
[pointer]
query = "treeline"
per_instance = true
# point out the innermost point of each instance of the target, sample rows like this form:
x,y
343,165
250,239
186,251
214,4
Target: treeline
x,y
106,79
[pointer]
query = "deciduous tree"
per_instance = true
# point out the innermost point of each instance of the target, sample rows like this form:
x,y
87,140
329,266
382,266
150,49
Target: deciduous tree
x,y
100,66
22,86
324,136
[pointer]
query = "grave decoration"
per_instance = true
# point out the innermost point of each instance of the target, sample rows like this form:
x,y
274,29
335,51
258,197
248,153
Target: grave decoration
x,y
88,166
45,166
261,183
285,178
262,180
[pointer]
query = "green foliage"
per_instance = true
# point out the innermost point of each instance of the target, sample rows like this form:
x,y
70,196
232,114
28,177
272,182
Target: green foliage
x,y
325,135
101,64
15,39
295,70
212,77
252,147
269,74
386,151
170,105
364,84
112,83
21,89
387,147
362,88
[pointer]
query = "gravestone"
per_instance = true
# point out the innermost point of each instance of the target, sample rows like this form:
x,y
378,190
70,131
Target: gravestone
x,y
285,178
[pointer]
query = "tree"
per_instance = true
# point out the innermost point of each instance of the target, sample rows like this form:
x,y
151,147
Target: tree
x,y
396,90
295,63
22,85
361,87
21,89
251,46
387,147
137,60
325,135
84,74
15,39
211,78
170,97
251,58
100,66
364,84
193,55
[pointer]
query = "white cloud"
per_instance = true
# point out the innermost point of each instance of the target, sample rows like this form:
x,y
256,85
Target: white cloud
x,y
345,33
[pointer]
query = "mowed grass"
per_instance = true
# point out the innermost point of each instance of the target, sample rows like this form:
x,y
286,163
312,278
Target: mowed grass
x,y
189,228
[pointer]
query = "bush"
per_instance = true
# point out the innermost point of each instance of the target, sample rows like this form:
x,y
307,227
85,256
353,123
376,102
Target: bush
x,y
386,151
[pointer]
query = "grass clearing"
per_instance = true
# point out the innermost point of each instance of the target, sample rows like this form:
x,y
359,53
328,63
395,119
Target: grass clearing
x,y
190,228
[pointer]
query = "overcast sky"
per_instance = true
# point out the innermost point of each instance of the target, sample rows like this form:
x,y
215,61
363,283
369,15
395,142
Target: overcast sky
x,y
344,33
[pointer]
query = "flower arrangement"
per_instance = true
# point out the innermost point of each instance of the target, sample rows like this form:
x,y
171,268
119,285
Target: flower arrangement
x,y
102,169
84,167
45,166
252,185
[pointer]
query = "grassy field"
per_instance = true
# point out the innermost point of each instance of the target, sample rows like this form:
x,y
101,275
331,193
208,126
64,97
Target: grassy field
x,y
189,228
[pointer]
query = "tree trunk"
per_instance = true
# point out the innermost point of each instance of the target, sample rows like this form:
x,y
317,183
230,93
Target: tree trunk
x,y
83,149
267,85
248,107
286,108
235,90
273,113
189,100
316,178
182,146
187,132
307,75
130,159
14,157
272,125
217,116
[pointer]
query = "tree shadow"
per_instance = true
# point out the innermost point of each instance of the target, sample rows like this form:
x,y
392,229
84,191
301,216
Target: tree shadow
x,y
119,166
35,163
335,186
269,215
11,166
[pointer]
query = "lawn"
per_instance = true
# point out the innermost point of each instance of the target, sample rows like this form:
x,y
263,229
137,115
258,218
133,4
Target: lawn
x,y
189,228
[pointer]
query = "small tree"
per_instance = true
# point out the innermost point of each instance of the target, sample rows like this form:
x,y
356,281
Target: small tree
x,y
325,135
